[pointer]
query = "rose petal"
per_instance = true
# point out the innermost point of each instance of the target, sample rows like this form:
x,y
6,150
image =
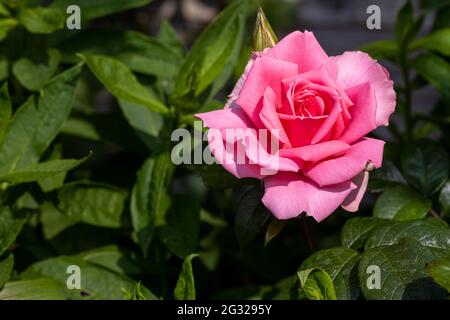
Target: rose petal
x,y
255,145
338,128
363,112
351,203
358,67
240,83
295,84
316,152
347,166
300,48
289,194
228,159
226,118
328,124
270,119
301,130
265,72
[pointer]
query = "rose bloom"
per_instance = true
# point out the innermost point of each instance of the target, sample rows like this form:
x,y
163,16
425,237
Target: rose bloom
x,y
320,109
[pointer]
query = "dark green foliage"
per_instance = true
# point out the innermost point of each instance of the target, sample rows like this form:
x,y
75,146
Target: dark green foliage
x,y
87,180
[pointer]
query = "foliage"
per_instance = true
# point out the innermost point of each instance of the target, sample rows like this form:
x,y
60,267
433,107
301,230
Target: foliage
x,y
90,186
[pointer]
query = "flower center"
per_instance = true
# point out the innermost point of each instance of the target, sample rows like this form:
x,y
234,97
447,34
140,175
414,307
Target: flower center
x,y
307,103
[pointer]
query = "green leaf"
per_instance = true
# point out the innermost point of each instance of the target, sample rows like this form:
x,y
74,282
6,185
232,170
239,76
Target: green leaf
x,y
279,291
185,287
444,199
210,250
100,8
402,272
6,267
248,292
215,176
316,284
4,69
4,10
14,4
357,230
6,25
438,41
113,258
95,204
169,37
42,20
401,203
148,125
67,241
56,181
425,166
180,234
439,270
436,70
214,53
442,18
434,236
80,128
96,282
212,105
136,50
41,171
214,221
121,82
36,289
136,294
339,264
36,123
386,176
406,26
426,128
382,49
11,223
5,111
107,127
53,221
149,200
436,221
26,201
34,76
251,216
273,230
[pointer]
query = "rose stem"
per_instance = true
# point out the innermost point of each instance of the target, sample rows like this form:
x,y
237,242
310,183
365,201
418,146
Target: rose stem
x,y
407,93
434,214
302,223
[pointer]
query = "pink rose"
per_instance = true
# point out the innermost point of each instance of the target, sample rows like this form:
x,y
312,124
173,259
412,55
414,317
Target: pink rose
x,y
319,109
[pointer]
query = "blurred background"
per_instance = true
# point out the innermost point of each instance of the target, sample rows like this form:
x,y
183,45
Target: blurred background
x,y
338,25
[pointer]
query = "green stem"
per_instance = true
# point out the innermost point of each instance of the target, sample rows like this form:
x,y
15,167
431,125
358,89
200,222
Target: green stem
x,y
305,233
434,214
407,95
434,119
